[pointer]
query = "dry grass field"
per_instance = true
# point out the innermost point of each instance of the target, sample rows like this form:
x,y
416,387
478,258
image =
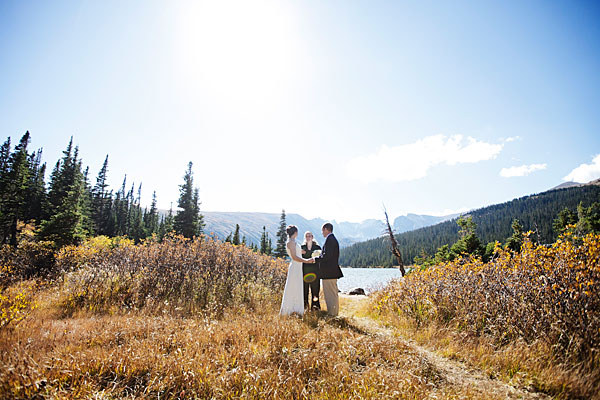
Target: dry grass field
x,y
199,319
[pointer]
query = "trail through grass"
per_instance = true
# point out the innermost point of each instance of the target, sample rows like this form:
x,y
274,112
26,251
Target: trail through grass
x,y
452,373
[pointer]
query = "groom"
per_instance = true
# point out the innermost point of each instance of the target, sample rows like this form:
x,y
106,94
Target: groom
x,y
329,269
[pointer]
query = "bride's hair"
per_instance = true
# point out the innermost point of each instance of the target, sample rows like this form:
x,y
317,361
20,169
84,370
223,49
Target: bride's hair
x,y
291,229
314,241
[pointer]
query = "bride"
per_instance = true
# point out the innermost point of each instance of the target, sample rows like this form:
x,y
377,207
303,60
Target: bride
x,y
293,294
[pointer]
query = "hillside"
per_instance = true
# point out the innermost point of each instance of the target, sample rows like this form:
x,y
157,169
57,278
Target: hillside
x,y
535,212
223,223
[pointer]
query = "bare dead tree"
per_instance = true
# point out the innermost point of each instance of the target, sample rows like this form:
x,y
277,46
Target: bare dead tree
x,y
394,243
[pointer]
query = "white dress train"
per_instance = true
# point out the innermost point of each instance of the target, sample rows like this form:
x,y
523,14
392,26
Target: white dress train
x,y
293,294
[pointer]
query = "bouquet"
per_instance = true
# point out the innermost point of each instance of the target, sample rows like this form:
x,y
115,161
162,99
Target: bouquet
x,y
316,253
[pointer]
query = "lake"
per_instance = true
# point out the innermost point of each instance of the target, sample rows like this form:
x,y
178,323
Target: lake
x,y
369,279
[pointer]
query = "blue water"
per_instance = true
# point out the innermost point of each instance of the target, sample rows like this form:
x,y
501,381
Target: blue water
x,y
369,279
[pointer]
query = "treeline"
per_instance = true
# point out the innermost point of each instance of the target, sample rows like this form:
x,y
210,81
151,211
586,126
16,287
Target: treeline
x,y
71,208
535,213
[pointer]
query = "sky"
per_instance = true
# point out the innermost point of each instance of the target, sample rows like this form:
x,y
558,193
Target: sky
x,y
327,109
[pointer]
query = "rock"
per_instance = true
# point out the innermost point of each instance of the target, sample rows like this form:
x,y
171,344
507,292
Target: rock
x,y
357,291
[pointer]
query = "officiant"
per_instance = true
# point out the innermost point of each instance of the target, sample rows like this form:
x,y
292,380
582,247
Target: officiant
x,y
309,272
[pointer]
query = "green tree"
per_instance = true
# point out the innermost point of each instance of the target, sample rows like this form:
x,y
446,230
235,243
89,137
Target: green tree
x,y
166,224
138,228
264,242
65,201
36,187
588,218
101,206
15,183
281,237
565,217
515,242
188,221
87,222
236,235
468,243
121,210
151,217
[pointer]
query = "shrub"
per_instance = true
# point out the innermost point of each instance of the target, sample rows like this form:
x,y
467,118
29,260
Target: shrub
x,y
549,294
30,259
16,302
178,274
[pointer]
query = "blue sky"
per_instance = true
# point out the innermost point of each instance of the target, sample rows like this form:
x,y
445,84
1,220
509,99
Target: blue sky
x,y
327,109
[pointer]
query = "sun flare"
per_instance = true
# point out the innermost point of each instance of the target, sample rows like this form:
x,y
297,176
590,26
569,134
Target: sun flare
x,y
240,52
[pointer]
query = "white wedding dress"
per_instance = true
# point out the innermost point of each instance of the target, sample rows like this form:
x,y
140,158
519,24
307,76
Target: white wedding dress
x,y
293,294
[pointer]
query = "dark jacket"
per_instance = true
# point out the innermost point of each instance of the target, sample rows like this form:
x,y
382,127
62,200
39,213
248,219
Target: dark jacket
x,y
306,268
329,267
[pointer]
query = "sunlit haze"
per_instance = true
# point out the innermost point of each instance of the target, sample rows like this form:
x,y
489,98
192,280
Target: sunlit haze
x,y
327,109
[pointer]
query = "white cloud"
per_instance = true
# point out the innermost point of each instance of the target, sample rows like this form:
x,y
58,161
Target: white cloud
x,y
512,139
522,170
412,161
585,172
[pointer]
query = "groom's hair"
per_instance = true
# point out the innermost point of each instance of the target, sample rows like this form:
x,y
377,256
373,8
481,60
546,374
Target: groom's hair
x,y
291,229
328,226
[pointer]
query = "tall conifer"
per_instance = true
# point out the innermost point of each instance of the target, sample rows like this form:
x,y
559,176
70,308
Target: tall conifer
x,y
188,221
15,187
264,241
236,235
281,237
65,201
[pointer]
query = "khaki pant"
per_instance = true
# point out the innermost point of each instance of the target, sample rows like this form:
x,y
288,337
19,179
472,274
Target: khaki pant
x,y
330,290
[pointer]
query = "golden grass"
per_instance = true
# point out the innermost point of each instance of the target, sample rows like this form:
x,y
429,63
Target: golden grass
x,y
193,319
250,355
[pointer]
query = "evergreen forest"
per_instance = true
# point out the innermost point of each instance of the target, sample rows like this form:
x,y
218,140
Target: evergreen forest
x,y
72,207
539,213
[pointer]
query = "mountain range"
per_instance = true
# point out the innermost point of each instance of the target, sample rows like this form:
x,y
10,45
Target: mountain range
x,y
251,224
221,224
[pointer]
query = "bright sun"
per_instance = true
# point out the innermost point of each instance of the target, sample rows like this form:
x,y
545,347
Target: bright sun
x,y
239,51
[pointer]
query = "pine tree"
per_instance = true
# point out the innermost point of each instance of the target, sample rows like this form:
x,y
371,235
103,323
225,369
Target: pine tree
x,y
151,217
36,187
87,222
121,210
4,170
588,218
65,201
264,241
228,238
137,227
565,217
516,240
281,237
468,243
236,235
101,202
166,224
15,185
188,221
4,160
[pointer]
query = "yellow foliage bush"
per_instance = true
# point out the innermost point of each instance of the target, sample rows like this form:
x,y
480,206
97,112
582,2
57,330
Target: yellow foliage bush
x,y
16,302
177,274
543,293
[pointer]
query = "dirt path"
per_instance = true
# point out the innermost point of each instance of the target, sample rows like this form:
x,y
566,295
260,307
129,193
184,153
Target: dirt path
x,y
454,372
